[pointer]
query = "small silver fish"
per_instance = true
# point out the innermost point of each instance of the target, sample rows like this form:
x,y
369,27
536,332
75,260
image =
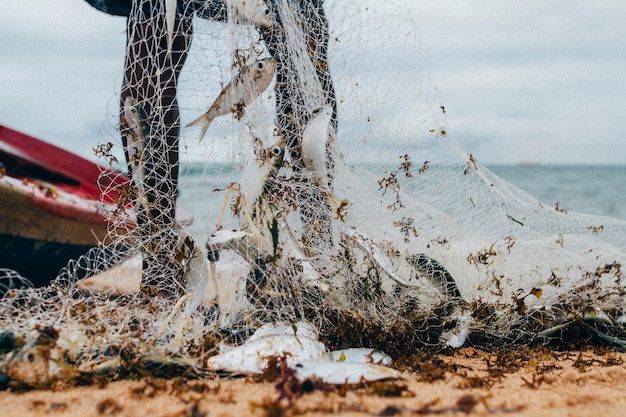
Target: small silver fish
x,y
592,314
344,372
436,273
258,174
249,83
196,269
137,131
299,329
375,253
254,11
281,328
253,357
170,19
241,241
38,363
315,139
361,355
456,337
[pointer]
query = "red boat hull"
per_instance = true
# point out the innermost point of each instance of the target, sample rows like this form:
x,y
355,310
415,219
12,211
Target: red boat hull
x,y
54,205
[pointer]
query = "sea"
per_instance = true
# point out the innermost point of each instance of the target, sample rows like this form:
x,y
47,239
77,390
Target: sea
x,y
598,190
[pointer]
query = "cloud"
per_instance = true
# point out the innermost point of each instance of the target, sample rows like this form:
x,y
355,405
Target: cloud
x,y
60,70
523,81
541,83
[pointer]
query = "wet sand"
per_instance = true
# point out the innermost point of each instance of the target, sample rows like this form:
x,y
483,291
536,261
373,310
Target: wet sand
x,y
512,381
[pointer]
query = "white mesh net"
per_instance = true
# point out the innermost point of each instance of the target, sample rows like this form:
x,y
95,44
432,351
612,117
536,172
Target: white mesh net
x,y
360,213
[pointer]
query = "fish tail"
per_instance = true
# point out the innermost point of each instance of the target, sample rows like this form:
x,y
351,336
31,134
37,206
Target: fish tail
x,y
170,19
142,201
206,122
332,201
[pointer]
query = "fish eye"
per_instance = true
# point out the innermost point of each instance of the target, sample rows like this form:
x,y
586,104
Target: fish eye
x,y
277,150
266,11
261,65
30,357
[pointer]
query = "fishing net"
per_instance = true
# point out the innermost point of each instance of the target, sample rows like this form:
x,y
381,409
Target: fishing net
x,y
337,194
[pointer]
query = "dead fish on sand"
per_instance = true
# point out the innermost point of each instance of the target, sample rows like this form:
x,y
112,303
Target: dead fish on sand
x,y
249,83
361,355
253,357
344,372
298,343
299,329
39,362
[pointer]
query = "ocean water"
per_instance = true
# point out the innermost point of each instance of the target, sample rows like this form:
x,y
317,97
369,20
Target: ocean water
x,y
599,190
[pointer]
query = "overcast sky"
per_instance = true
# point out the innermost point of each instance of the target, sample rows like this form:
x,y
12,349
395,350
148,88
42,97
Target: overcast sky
x,y
528,81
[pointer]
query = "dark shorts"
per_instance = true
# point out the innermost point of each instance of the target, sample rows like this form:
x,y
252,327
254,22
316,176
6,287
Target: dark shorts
x,y
114,7
210,9
184,7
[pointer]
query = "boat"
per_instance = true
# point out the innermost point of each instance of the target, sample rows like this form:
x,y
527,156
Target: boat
x,y
55,206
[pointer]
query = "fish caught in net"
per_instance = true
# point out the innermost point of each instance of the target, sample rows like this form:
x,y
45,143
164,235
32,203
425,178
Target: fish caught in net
x,y
348,205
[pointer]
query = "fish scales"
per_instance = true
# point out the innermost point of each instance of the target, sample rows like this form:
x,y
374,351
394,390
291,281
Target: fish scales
x,y
253,11
253,357
315,139
137,132
247,84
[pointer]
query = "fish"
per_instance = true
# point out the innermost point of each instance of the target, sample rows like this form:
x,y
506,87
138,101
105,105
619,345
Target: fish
x,y
137,132
258,174
299,329
249,83
240,241
344,372
361,355
281,328
437,274
37,366
375,253
253,357
170,19
304,353
456,337
39,362
196,270
253,11
592,315
225,237
315,139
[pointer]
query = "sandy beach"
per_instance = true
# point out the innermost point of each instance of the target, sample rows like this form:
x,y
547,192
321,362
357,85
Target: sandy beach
x,y
515,381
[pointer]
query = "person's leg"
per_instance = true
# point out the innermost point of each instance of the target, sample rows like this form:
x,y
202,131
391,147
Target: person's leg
x,y
150,76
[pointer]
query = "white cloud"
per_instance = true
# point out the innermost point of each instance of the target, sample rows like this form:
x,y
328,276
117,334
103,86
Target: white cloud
x,y
521,81
544,83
